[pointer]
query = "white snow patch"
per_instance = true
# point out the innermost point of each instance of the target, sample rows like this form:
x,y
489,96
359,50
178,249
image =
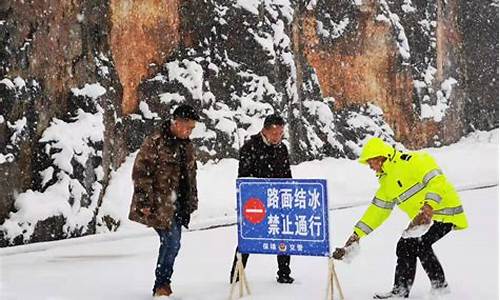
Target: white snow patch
x,y
408,7
46,175
146,112
416,231
189,74
337,28
266,42
321,109
18,127
402,40
382,18
19,82
9,157
223,118
166,98
72,138
7,82
249,5
201,131
94,90
438,110
118,195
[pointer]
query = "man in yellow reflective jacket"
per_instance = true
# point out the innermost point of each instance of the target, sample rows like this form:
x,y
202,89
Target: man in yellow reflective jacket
x,y
415,183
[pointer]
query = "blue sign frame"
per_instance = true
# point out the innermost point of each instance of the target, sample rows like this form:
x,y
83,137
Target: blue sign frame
x,y
283,216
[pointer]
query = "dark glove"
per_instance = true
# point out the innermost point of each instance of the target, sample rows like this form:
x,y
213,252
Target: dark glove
x,y
338,253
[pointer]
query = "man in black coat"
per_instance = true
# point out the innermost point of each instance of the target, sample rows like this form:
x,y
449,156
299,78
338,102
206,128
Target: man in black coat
x,y
265,156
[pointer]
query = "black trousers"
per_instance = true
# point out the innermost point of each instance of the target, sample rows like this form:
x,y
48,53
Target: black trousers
x,y
283,264
408,250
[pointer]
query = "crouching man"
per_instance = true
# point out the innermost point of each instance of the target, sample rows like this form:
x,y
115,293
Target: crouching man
x,y
413,182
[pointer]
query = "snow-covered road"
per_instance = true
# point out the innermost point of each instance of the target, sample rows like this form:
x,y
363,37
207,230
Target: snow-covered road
x,y
123,268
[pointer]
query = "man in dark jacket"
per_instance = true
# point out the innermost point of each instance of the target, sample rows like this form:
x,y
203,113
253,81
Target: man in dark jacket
x,y
165,192
265,156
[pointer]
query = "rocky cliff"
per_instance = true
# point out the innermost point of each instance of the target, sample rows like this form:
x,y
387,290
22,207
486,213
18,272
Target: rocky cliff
x,y
83,82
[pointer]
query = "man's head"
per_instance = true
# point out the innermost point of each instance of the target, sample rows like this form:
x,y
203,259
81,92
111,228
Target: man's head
x,y
375,152
183,121
376,163
274,127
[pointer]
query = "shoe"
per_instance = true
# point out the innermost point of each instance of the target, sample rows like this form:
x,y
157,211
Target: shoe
x,y
164,290
285,279
440,289
390,295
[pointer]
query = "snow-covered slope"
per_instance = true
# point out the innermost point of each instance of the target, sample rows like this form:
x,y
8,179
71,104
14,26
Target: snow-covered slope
x,y
472,162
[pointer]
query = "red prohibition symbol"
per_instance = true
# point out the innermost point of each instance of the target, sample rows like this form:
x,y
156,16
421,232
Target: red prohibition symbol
x,y
254,211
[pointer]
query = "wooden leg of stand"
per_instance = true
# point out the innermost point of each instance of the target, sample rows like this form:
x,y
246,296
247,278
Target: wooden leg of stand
x,y
235,275
233,284
330,279
334,274
240,274
329,283
244,279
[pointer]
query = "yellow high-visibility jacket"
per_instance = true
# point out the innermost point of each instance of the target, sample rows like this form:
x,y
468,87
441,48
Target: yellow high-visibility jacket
x,y
409,181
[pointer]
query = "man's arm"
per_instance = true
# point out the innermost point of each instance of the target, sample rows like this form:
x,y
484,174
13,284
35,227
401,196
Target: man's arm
x,y
376,214
286,164
378,211
246,162
143,174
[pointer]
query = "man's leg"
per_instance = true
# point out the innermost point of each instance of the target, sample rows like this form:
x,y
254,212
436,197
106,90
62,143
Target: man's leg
x,y
428,258
170,243
244,257
284,269
406,266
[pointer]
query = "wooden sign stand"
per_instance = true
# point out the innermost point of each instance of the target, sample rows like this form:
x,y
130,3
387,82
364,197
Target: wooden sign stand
x,y
242,282
332,280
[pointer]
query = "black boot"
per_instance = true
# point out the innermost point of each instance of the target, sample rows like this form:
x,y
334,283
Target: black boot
x,y
285,279
390,295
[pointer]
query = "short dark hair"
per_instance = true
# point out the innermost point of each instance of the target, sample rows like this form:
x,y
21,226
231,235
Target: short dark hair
x,y
274,119
186,112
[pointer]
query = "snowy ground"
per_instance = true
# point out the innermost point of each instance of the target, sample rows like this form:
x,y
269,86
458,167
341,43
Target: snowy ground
x,y
120,265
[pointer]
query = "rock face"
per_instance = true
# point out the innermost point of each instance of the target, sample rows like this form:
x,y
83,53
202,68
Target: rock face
x,y
58,92
142,33
83,82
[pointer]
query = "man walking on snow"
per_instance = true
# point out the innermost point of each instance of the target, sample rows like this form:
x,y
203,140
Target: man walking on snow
x,y
165,192
265,156
413,182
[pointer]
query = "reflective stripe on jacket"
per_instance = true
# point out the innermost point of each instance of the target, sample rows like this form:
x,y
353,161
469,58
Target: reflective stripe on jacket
x,y
409,181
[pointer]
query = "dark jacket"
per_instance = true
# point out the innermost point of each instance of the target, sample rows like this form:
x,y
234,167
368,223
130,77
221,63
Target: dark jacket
x,y
164,176
260,160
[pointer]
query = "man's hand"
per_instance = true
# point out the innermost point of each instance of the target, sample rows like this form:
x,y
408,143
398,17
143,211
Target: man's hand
x,y
340,253
424,217
184,218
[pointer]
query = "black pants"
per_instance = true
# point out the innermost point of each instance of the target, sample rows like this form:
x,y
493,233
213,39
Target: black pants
x,y
408,250
283,264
